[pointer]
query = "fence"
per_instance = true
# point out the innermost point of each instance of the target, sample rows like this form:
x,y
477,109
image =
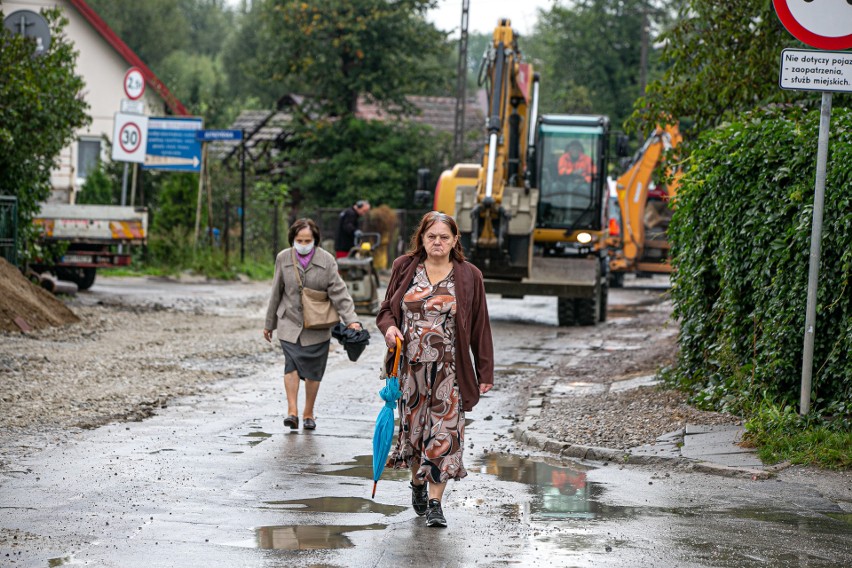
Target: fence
x,y
9,228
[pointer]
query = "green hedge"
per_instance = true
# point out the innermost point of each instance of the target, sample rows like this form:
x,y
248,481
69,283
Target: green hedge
x,y
741,244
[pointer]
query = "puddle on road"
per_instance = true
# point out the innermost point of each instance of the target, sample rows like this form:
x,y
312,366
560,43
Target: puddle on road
x,y
337,505
258,437
362,466
309,537
559,492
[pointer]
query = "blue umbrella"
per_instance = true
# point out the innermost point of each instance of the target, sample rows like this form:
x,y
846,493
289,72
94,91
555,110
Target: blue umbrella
x,y
383,434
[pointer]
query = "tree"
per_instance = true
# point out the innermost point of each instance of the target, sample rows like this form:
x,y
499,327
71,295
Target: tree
x,y
337,162
41,107
722,58
338,50
590,55
153,28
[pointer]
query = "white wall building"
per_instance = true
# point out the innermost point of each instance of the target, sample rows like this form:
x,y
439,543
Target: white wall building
x,y
103,61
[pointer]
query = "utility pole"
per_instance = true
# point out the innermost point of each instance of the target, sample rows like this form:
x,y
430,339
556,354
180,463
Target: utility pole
x,y
461,86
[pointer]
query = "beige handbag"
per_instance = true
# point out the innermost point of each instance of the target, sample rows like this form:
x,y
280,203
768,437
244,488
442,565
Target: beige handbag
x,y
317,309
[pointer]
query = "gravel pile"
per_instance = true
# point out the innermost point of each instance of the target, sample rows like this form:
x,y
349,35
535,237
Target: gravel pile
x,y
624,420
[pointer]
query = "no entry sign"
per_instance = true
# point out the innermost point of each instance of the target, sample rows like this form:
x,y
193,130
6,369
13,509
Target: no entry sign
x,y
824,24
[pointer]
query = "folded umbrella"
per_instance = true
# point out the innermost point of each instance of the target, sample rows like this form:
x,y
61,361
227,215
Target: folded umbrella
x,y
354,341
383,434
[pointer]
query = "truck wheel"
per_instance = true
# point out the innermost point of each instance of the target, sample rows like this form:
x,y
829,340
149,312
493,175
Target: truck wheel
x,y
87,278
586,310
565,312
82,277
604,301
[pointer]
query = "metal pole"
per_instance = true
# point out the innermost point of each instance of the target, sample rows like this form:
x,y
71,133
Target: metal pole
x,y
813,266
227,231
123,198
243,198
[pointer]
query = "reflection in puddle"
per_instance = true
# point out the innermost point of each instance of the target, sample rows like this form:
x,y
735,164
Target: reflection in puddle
x,y
362,466
338,505
559,492
261,436
309,537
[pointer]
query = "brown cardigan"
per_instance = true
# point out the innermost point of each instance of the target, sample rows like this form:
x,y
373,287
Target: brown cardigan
x,y
473,328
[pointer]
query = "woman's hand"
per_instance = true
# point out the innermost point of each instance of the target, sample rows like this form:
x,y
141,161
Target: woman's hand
x,y
356,325
267,335
484,388
390,336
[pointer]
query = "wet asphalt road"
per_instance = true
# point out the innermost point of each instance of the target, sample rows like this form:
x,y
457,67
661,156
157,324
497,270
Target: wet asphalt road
x,y
217,480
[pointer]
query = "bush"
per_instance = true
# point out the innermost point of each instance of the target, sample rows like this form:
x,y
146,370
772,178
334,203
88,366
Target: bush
x,y
741,242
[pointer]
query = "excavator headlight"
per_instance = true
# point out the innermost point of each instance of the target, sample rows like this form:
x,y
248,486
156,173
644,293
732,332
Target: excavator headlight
x,y
584,238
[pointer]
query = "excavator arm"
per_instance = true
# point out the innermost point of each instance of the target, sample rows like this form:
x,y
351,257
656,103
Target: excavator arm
x,y
633,190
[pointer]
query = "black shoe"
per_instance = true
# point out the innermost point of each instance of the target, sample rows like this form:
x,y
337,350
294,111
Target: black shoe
x,y
292,422
435,516
419,498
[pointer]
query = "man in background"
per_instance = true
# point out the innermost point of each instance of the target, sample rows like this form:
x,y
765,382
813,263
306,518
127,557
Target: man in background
x,y
347,225
576,162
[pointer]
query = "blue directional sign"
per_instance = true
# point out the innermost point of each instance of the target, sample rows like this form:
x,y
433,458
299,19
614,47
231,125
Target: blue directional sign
x,y
217,135
172,145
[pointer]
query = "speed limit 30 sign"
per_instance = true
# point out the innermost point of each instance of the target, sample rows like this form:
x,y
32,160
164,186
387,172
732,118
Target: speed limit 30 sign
x,y
129,138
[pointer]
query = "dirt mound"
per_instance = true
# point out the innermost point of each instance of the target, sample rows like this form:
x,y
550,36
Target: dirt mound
x,y
20,298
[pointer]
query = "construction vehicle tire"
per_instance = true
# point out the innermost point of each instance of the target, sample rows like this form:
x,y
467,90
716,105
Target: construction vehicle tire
x,y
603,302
565,312
586,310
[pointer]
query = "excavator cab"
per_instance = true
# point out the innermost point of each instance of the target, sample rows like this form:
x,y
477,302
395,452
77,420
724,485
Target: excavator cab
x,y
572,161
570,171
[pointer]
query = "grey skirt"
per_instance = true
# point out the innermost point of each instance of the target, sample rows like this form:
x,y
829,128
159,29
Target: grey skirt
x,y
309,361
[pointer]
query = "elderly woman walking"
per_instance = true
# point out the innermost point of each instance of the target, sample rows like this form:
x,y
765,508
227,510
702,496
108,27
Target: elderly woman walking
x,y
305,350
435,303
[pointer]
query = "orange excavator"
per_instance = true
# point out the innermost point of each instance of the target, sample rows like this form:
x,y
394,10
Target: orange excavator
x,y
646,208
530,223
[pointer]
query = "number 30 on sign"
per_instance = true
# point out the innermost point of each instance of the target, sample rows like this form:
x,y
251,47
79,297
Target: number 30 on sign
x,y
129,138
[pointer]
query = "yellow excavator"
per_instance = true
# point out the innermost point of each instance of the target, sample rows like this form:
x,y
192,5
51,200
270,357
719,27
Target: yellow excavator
x,y
532,216
646,208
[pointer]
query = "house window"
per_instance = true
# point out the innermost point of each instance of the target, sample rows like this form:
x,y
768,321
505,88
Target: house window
x,y
88,154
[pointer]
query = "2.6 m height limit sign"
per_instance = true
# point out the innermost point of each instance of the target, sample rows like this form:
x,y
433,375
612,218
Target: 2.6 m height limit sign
x,y
129,138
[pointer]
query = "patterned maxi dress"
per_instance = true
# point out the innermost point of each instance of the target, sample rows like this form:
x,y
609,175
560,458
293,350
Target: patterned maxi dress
x,y
431,415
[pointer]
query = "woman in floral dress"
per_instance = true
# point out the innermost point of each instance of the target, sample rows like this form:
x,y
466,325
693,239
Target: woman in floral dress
x,y
435,303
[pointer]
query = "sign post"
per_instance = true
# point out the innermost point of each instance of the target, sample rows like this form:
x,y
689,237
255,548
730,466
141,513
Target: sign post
x,y
824,25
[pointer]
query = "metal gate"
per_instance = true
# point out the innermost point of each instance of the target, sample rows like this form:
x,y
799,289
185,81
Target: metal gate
x,y
9,228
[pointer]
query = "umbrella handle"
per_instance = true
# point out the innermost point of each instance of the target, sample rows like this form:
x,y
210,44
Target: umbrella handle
x,y
396,356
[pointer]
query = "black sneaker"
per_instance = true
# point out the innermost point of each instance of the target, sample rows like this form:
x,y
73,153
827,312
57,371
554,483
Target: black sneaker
x,y
419,498
435,516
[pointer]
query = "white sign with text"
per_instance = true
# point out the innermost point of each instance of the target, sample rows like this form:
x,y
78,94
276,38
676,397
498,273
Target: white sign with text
x,y
808,70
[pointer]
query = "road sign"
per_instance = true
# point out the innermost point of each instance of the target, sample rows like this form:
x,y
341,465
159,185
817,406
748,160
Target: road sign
x,y
172,144
824,25
129,138
216,135
134,83
132,107
808,70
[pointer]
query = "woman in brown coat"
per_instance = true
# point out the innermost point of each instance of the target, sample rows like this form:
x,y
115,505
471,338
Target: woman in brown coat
x,y
435,303
305,350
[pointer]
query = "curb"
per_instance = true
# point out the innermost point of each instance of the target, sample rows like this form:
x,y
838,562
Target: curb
x,y
525,435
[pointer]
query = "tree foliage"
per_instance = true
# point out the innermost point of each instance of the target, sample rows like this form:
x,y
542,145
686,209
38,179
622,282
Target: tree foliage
x,y
336,51
338,162
722,58
41,106
589,55
741,241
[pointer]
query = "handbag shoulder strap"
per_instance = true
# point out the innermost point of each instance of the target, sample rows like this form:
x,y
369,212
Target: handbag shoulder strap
x,y
296,269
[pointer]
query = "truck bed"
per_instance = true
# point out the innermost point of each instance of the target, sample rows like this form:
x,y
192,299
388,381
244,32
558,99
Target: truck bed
x,y
106,224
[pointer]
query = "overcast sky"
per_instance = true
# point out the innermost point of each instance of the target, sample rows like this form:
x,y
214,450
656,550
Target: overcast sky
x,y
483,14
